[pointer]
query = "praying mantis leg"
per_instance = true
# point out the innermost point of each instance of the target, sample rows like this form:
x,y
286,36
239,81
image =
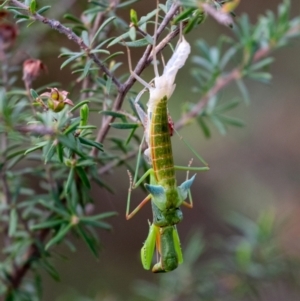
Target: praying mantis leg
x,y
166,240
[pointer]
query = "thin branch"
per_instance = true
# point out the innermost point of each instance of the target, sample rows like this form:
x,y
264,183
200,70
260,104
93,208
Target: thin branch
x,y
6,198
33,253
36,129
221,17
54,24
220,84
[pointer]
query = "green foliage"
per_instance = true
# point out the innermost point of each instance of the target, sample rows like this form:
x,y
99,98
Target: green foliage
x,y
52,155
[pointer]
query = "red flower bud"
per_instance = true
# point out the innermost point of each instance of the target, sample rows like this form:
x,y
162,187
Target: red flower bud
x,y
32,69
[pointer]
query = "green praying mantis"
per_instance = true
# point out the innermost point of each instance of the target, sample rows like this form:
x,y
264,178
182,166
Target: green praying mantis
x,y
166,197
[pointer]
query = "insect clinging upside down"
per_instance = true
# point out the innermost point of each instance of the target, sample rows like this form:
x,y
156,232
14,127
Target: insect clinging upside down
x,y
164,193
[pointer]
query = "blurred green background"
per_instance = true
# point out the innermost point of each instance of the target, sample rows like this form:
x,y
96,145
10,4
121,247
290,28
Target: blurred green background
x,y
253,169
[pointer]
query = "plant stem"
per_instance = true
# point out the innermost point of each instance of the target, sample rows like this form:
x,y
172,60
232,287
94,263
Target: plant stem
x,y
54,24
19,271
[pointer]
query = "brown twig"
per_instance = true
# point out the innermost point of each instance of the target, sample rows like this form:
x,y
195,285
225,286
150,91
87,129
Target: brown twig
x,y
221,17
33,253
54,24
36,129
6,199
220,84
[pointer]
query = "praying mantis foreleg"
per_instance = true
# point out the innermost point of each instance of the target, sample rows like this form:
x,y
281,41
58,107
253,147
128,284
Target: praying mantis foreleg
x,y
166,240
170,250
147,250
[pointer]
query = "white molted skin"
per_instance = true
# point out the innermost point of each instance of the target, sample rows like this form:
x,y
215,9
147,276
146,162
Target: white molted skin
x,y
164,84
